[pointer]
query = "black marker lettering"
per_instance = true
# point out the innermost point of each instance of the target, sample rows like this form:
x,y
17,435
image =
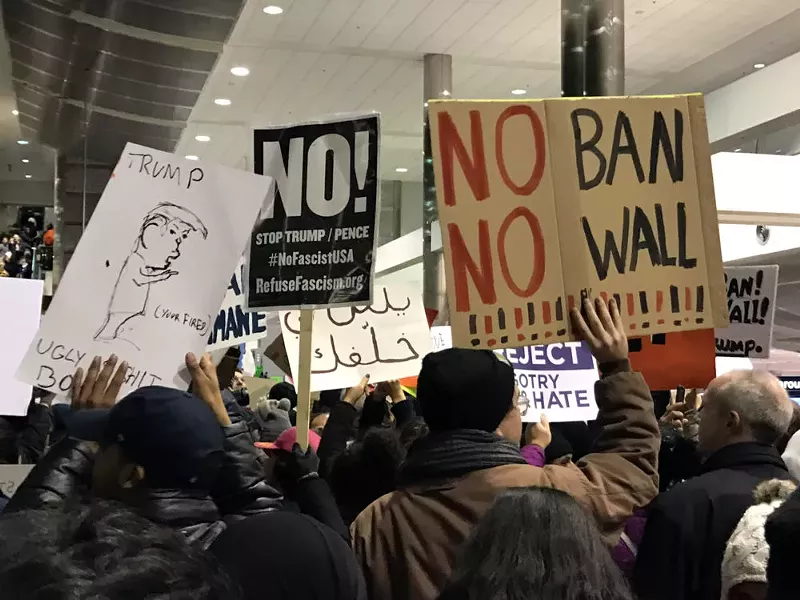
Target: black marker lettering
x,y
610,249
45,370
683,260
195,175
673,154
666,259
39,347
643,239
157,171
581,147
173,173
623,124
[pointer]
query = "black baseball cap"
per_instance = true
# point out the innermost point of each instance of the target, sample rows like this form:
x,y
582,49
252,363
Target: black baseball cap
x,y
172,434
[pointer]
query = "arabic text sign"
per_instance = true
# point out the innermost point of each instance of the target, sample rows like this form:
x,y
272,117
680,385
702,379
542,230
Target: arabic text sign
x,y
148,277
544,201
557,380
234,325
751,306
385,341
21,300
314,246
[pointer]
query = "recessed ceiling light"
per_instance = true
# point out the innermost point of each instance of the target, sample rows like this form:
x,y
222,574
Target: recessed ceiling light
x,y
22,142
759,66
191,157
401,170
27,176
25,160
222,101
519,92
273,10
15,112
445,92
240,71
202,138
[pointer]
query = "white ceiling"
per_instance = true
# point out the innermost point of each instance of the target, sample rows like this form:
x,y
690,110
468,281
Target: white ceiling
x,y
331,56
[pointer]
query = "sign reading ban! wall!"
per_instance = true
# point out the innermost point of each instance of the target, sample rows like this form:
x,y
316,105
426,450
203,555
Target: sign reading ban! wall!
x,y
542,202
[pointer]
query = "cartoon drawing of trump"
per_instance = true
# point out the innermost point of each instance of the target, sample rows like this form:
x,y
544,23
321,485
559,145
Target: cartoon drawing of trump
x,y
156,247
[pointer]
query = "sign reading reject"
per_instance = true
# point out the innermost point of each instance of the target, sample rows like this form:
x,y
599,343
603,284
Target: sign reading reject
x,y
542,202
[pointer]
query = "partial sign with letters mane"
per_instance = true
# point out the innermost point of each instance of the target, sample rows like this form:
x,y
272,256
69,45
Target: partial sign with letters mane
x,y
314,246
543,202
751,306
234,325
386,340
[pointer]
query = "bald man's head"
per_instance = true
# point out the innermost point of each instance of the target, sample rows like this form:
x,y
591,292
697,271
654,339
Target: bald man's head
x,y
744,406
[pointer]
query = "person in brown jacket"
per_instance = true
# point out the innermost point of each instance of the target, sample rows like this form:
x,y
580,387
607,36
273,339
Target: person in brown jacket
x,y
406,541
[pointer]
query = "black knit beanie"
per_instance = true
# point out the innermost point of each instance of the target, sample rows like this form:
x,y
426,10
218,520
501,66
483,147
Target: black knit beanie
x,y
465,389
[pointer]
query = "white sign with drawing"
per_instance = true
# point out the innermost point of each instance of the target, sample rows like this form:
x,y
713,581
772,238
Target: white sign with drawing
x,y
385,341
147,280
21,301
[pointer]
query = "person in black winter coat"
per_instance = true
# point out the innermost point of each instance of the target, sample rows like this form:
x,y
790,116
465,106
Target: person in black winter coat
x,y
288,556
175,457
743,414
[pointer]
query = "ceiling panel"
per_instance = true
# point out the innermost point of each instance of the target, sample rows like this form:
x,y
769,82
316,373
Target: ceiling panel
x,y
322,57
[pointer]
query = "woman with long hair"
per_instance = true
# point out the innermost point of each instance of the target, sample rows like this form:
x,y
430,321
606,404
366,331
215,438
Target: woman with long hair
x,y
536,544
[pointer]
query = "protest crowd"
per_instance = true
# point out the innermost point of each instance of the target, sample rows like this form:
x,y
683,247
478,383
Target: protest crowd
x,y
226,398
17,249
442,495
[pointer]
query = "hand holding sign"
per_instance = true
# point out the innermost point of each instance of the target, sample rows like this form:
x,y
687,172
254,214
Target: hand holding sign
x,y
539,434
99,389
205,385
602,329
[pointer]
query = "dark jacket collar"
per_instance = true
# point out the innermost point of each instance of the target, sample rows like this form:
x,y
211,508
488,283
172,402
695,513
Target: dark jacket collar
x,y
743,454
191,512
453,454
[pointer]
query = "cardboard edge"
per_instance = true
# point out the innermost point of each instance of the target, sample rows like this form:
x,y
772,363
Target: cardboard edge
x,y
571,334
718,299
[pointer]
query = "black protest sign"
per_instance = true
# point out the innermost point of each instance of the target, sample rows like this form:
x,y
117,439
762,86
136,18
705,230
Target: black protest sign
x,y
314,246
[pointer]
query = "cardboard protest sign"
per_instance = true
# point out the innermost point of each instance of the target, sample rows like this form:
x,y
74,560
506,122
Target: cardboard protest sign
x,y
557,380
21,302
12,476
314,246
680,358
148,277
544,201
752,292
234,325
386,340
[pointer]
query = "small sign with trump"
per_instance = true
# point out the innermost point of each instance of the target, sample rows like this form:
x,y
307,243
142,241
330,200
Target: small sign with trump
x,y
542,202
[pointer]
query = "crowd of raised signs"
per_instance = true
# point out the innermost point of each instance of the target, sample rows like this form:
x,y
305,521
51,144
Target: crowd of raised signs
x,y
455,486
442,494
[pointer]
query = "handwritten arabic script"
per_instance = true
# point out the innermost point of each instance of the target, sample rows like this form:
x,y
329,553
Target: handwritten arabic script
x,y
386,340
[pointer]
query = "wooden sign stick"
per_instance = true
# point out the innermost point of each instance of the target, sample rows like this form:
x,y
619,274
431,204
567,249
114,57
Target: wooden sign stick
x,y
303,377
